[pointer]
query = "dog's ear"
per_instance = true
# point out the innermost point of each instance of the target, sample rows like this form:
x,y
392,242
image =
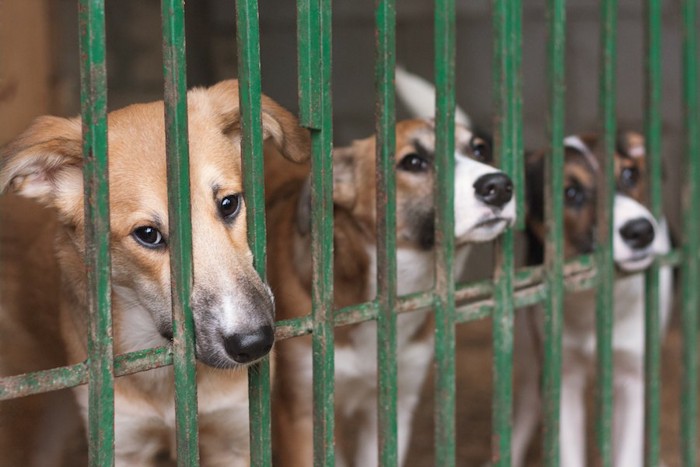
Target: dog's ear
x,y
344,183
631,144
45,163
279,125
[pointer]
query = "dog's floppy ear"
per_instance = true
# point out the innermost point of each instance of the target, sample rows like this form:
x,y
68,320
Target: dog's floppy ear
x,y
344,183
631,144
45,163
279,125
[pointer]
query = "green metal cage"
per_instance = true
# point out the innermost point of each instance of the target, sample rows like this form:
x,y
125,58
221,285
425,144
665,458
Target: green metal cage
x,y
497,298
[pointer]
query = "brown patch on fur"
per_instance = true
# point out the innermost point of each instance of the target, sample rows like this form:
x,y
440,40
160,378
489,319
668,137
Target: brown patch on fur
x,y
579,221
45,162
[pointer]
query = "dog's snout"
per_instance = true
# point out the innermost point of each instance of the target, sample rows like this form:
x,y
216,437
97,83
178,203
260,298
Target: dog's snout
x,y
494,189
638,233
250,346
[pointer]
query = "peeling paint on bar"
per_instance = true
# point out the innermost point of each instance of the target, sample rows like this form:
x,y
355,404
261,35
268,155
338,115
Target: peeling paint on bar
x,y
652,327
554,222
93,96
606,272
250,91
180,234
690,267
508,152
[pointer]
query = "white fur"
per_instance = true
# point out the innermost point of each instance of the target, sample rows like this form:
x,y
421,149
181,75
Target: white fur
x,y
356,366
138,330
469,210
575,142
419,97
626,209
578,353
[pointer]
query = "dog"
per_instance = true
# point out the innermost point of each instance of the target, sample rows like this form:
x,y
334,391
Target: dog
x,y
638,238
484,207
232,307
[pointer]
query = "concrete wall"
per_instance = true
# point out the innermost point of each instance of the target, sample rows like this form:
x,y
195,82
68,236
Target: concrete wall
x,y
134,61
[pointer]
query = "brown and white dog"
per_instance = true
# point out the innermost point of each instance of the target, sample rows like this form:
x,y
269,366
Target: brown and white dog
x,y
638,238
484,207
233,309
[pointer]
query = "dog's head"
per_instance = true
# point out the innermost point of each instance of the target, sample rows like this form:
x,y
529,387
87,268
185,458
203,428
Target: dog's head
x,y
233,309
484,204
635,229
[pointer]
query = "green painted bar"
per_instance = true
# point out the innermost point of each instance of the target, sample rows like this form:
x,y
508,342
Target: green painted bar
x,y
579,276
387,371
308,50
444,233
249,82
508,150
314,50
180,231
518,173
554,221
690,267
606,271
652,355
93,87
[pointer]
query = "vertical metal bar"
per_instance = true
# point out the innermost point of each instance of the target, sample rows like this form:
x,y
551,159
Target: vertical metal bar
x,y
93,85
606,273
248,42
691,229
518,173
554,221
508,150
315,51
180,234
385,17
309,50
444,233
652,352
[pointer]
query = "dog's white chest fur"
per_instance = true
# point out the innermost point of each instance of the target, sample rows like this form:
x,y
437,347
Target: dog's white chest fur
x,y
628,311
356,365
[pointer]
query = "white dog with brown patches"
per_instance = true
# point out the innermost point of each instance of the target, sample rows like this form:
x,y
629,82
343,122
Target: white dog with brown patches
x,y
484,207
233,309
638,238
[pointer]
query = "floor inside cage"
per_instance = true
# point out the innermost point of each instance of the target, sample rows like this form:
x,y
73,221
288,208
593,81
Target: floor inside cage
x,y
474,386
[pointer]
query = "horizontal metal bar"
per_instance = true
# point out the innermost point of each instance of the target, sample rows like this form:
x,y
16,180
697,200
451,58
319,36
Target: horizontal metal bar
x,y
37,382
579,273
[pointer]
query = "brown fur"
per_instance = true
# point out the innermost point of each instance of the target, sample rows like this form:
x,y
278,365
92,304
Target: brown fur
x,y
45,162
580,171
289,264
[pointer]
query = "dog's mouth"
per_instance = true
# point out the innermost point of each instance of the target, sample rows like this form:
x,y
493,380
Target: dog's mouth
x,y
167,334
638,261
491,223
486,229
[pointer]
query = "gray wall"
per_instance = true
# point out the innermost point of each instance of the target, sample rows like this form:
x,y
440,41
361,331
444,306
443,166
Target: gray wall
x,y
134,61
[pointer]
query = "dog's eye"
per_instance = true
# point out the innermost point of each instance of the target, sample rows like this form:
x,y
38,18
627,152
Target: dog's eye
x,y
481,149
574,196
229,206
413,163
629,177
149,237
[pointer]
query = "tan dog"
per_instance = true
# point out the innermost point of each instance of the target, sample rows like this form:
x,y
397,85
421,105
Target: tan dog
x,y
484,207
637,239
233,309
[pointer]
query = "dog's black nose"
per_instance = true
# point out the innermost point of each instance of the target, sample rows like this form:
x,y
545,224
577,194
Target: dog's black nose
x,y
638,233
248,347
494,189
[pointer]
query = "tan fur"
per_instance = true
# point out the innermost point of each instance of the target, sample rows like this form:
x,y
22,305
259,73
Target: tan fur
x,y
585,172
45,162
354,241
